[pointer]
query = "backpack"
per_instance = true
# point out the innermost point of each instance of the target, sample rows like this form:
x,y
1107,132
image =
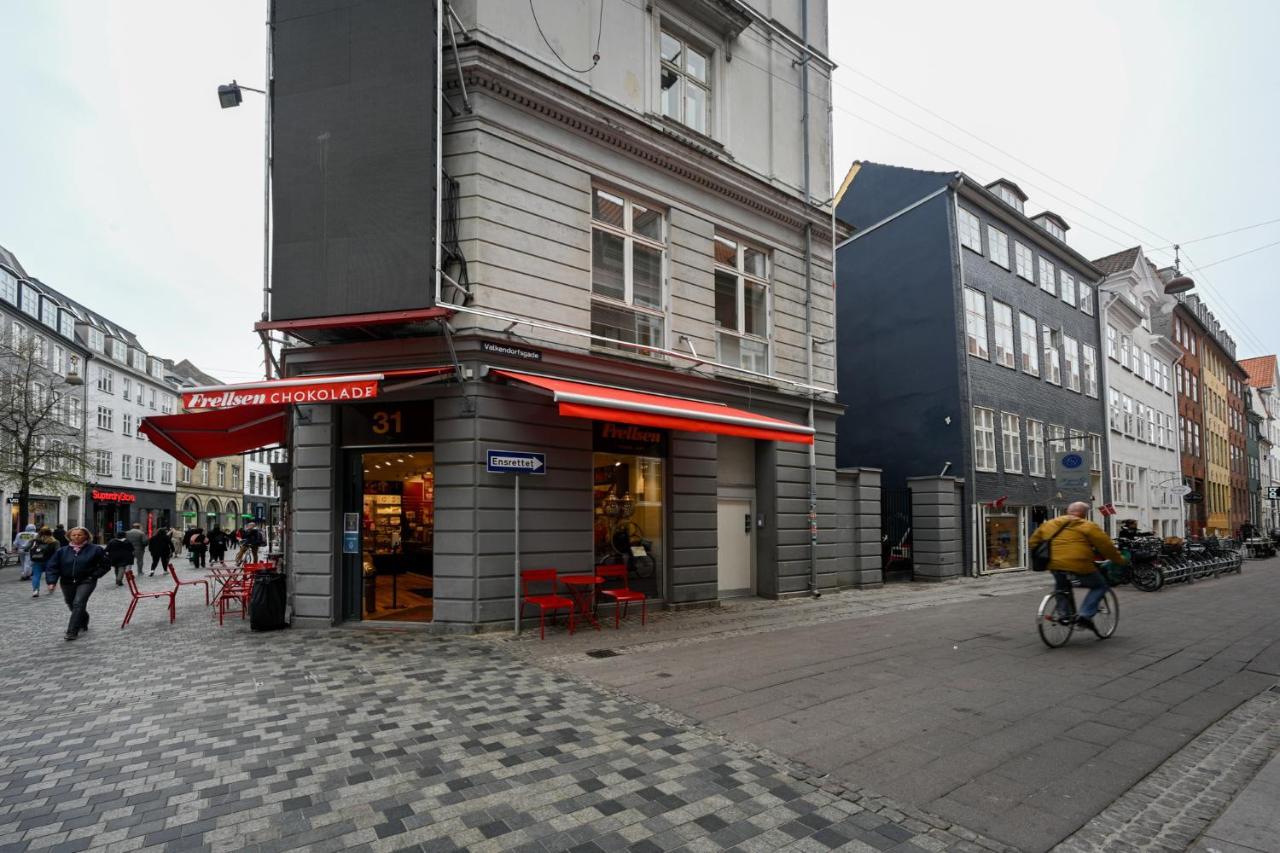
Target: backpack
x,y
1042,554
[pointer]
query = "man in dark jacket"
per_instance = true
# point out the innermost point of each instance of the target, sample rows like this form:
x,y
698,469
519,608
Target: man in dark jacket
x,y
161,547
138,540
120,553
78,566
251,542
60,533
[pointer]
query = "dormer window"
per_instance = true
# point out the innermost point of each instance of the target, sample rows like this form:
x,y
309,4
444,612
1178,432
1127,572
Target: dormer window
x,y
1053,229
1010,193
1052,223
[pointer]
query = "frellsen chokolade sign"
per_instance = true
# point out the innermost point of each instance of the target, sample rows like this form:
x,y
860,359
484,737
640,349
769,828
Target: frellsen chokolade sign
x,y
338,391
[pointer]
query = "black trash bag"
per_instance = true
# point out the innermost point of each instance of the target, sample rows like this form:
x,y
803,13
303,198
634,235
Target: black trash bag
x,y
267,602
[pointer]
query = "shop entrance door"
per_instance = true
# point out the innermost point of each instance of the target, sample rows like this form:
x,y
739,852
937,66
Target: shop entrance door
x,y
734,526
388,567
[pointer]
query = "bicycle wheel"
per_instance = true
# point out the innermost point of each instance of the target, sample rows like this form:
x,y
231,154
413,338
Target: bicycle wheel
x,y
1107,618
1055,629
1147,577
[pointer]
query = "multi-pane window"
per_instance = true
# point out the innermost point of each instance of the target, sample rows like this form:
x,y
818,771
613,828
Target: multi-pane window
x,y
222,475
126,466
1095,452
970,231
1002,315
235,476
1126,404
1057,439
1115,418
106,380
1048,282
67,325
59,359
75,413
186,474
1135,356
8,287
138,465
104,417
17,337
1146,366
97,342
151,470
1125,350
1052,360
126,424
628,251
1068,288
138,359
1089,360
166,473
984,439
126,388
1035,448
119,351
30,301
975,322
151,403
1130,484
1011,442
998,246
686,82
1071,350
1029,348
1140,415
1086,298
1024,262
1113,347
102,462
39,349
742,305
204,473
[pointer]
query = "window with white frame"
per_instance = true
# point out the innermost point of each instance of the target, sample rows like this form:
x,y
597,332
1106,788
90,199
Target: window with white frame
x,y
1140,416
1089,361
59,359
1029,348
126,466
104,417
1130,484
1052,355
685,80
49,313
1126,405
1024,262
1071,351
1164,376
102,462
119,351
742,304
204,473
67,325
1086,298
1011,442
998,246
235,476
1002,316
138,466
151,470
1115,416
75,413
1068,288
39,349
17,337
984,439
1113,347
106,380
186,474
222,475
1057,440
166,473
30,301
1146,366
151,402
1035,448
975,322
1048,282
1095,452
97,342
126,424
628,254
139,360
1151,425
970,231
1135,357
126,388
8,287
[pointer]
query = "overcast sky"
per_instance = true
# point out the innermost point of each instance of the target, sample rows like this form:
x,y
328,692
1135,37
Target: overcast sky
x,y
126,186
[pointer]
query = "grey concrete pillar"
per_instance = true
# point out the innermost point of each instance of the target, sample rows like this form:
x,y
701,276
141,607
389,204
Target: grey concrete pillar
x,y
937,527
858,490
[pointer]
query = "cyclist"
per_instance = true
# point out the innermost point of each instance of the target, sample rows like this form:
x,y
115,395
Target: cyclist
x,y
1077,543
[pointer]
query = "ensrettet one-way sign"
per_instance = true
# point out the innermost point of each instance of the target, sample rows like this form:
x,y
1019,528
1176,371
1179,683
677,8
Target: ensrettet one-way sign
x,y
514,462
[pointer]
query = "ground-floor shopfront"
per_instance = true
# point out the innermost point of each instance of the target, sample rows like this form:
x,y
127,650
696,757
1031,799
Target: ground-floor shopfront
x,y
43,510
209,510
109,509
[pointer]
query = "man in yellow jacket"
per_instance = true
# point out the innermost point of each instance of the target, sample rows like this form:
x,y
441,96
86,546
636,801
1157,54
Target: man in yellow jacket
x,y
1077,542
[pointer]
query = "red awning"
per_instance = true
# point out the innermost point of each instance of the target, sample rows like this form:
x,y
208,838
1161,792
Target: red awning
x,y
221,432
606,403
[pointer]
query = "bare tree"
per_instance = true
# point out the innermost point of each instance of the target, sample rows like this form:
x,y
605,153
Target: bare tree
x,y
41,428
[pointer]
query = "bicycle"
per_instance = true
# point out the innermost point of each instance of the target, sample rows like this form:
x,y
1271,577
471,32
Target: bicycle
x,y
1056,617
632,549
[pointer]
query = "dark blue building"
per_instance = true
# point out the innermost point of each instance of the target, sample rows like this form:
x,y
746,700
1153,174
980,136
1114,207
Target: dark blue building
x,y
968,345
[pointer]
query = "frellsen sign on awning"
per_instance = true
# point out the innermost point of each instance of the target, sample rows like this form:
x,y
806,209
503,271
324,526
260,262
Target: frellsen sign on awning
x,y
287,392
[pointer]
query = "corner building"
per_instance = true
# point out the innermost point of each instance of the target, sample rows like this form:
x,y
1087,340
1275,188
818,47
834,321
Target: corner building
x,y
635,282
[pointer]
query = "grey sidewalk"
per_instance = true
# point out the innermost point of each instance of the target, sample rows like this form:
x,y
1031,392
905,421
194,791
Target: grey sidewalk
x,y
1251,824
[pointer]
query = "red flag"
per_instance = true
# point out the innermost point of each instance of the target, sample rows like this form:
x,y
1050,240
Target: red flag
x,y
1107,509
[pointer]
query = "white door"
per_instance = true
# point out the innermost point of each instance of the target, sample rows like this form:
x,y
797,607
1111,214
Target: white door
x,y
734,530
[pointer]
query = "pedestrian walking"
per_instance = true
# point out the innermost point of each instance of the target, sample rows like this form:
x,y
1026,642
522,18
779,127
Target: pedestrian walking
x,y
78,566
197,544
42,550
251,542
60,533
138,540
22,544
161,547
178,540
120,553
217,545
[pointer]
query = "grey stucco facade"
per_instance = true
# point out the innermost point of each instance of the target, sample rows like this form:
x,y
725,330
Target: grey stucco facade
x,y
911,387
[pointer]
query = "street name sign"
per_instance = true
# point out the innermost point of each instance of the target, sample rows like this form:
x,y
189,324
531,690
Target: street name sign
x,y
514,462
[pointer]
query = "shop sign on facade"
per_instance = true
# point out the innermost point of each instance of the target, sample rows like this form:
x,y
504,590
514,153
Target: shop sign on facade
x,y
511,351
113,497
1071,471
340,391
629,439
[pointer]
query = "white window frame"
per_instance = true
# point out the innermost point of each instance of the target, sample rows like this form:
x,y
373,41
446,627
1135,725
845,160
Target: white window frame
x,y
1004,354
1052,358
1068,288
1095,453
970,228
1048,277
742,280
1071,355
126,424
106,417
686,78
1089,368
126,466
97,340
1035,448
1011,442
166,473
106,380
1126,406
630,239
998,246
8,287
984,439
1029,344
975,315
1086,298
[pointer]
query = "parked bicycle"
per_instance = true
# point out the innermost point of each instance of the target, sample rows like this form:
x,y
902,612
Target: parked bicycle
x,y
631,549
1143,570
1056,619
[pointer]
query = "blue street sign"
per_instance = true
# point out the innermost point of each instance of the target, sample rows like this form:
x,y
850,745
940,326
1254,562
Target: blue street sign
x,y
514,462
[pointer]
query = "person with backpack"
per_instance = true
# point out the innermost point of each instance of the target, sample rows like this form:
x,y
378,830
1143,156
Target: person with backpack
x,y
197,544
161,548
251,542
42,550
22,544
217,545
1075,543
78,566
120,554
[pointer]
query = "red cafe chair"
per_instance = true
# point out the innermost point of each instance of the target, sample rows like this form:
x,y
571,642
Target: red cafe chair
x,y
622,596
551,601
178,584
139,596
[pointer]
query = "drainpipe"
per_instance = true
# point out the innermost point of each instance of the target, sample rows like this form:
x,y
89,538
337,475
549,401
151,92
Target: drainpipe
x,y
1105,391
808,304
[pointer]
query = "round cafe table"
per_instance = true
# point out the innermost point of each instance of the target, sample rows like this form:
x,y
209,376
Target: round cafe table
x,y
582,589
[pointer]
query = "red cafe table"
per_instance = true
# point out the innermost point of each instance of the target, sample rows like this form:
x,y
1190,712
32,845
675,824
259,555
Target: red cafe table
x,y
582,589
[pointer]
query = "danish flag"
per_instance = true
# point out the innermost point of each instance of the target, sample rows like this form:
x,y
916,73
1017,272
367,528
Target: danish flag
x,y
1107,509
998,503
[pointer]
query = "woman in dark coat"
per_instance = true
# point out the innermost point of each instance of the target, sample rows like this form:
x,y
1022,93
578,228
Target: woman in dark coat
x,y
160,547
78,565
120,553
197,544
217,545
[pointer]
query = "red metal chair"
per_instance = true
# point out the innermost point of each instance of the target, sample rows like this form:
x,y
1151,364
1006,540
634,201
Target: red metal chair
x,y
621,596
139,596
178,584
551,601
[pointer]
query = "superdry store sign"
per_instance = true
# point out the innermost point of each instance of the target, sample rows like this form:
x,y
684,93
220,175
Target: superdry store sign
x,y
340,391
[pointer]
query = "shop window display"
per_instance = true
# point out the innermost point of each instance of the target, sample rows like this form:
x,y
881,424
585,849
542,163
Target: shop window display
x,y
1004,541
628,504
397,533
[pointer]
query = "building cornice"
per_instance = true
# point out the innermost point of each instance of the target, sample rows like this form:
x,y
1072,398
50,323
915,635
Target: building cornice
x,y
698,161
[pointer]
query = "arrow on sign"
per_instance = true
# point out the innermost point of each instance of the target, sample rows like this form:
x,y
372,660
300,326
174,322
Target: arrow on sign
x,y
515,462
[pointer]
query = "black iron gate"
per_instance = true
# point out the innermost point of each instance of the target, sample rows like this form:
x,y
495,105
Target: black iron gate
x,y
895,533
